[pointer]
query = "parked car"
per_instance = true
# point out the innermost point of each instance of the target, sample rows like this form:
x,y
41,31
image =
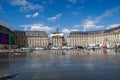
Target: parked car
x,y
110,47
23,48
39,48
79,47
66,47
55,48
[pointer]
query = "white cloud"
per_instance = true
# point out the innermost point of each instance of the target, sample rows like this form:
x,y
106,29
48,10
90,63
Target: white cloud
x,y
55,17
74,30
28,15
93,24
77,26
112,26
19,2
65,30
26,28
84,30
35,14
32,15
37,27
107,13
25,5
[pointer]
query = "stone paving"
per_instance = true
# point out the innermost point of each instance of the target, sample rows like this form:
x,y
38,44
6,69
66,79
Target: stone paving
x,y
61,65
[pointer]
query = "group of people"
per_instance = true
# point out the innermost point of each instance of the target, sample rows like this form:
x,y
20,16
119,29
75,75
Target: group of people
x,y
116,47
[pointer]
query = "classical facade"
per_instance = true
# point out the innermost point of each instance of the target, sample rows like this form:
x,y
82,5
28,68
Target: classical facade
x,y
15,38
37,38
77,37
110,37
56,38
31,38
6,36
20,38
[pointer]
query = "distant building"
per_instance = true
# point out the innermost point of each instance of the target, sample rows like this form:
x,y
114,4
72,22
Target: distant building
x,y
110,37
37,38
20,39
56,38
10,38
31,38
77,38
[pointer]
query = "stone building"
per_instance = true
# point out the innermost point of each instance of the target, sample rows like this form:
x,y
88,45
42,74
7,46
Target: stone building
x,y
56,38
37,38
15,38
31,38
110,37
20,39
77,37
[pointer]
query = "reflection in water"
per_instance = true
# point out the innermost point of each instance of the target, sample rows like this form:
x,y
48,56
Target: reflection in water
x,y
7,77
54,64
4,65
90,52
48,53
12,55
60,53
105,51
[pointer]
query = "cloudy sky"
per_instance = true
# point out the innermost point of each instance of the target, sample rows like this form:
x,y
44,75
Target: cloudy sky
x,y
67,15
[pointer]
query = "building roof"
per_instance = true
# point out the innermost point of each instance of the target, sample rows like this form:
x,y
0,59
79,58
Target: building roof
x,y
78,33
112,29
94,32
6,25
18,31
36,33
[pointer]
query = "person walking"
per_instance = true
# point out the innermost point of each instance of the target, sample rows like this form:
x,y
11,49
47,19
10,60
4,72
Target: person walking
x,y
94,48
116,48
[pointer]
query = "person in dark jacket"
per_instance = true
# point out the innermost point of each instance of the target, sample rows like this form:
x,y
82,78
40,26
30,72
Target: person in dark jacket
x,y
116,48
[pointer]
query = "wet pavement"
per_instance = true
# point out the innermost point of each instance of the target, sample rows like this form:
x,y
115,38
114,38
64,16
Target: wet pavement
x,y
61,65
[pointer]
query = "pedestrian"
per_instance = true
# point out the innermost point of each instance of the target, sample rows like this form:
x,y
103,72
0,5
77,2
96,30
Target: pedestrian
x,y
116,48
119,48
94,48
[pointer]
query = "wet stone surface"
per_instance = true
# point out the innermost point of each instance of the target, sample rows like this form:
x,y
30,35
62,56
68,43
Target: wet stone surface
x,y
61,65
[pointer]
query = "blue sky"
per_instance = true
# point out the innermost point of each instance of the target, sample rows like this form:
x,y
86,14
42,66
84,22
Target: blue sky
x,y
68,15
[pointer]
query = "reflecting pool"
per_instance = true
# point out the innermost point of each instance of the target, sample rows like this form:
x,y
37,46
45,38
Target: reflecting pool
x,y
61,65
